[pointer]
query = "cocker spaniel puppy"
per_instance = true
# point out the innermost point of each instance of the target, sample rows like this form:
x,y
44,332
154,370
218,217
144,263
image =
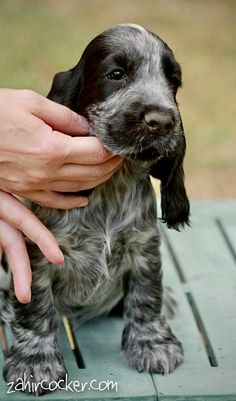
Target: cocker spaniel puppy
x,y
125,84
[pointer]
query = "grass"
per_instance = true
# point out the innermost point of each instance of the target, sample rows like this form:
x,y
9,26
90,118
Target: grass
x,y
41,37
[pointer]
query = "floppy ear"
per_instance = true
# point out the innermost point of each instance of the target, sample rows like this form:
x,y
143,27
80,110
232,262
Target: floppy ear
x,y
174,201
66,87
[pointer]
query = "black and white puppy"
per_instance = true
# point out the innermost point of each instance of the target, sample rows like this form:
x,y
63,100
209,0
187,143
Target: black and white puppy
x,y
125,84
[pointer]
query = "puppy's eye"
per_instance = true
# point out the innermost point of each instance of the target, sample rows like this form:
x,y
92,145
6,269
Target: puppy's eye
x,y
116,75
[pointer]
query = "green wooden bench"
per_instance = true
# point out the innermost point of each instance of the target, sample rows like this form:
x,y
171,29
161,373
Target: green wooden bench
x,y
200,265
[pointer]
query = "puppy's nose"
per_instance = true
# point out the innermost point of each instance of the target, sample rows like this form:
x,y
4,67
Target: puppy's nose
x,y
158,120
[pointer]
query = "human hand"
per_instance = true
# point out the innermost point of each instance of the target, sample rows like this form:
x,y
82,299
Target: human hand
x,y
16,219
38,161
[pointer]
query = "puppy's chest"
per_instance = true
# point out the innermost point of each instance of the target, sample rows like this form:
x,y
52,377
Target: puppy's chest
x,y
117,210
97,239
96,251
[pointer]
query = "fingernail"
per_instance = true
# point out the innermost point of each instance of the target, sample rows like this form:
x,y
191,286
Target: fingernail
x,y
57,258
61,257
26,298
29,297
83,123
83,202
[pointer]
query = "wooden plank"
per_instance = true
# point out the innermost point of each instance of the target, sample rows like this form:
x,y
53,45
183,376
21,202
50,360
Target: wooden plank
x,y
213,209
216,304
209,275
184,325
215,291
227,226
195,385
224,213
100,342
201,248
179,383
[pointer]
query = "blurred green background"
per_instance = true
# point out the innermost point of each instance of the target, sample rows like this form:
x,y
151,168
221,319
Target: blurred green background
x,y
41,37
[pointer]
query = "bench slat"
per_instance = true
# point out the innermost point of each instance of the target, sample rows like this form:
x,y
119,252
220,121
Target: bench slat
x,y
100,342
184,325
199,264
208,276
201,251
216,303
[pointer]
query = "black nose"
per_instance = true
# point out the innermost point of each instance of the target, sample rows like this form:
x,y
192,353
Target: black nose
x,y
156,119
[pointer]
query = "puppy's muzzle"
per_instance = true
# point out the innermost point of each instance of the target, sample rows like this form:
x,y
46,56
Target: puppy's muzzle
x,y
158,120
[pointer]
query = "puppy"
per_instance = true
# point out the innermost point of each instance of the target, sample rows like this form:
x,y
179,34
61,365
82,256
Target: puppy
x,y
125,84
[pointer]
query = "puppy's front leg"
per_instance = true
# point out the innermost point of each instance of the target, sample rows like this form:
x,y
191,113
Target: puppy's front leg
x,y
148,342
35,358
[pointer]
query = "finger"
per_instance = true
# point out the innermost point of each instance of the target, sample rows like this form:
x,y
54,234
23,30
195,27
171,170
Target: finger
x,y
59,117
15,249
56,200
15,213
62,186
83,172
1,253
75,186
81,150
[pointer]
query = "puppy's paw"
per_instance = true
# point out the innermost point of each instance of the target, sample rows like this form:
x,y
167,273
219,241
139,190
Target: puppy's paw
x,y
153,350
34,373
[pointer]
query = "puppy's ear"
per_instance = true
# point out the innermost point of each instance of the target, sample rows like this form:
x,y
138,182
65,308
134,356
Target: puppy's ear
x,y
174,201
66,87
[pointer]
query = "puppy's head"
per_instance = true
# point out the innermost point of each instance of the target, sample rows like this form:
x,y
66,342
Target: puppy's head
x,y
126,84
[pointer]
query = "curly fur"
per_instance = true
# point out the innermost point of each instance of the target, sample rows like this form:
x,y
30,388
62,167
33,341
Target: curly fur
x,y
111,247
